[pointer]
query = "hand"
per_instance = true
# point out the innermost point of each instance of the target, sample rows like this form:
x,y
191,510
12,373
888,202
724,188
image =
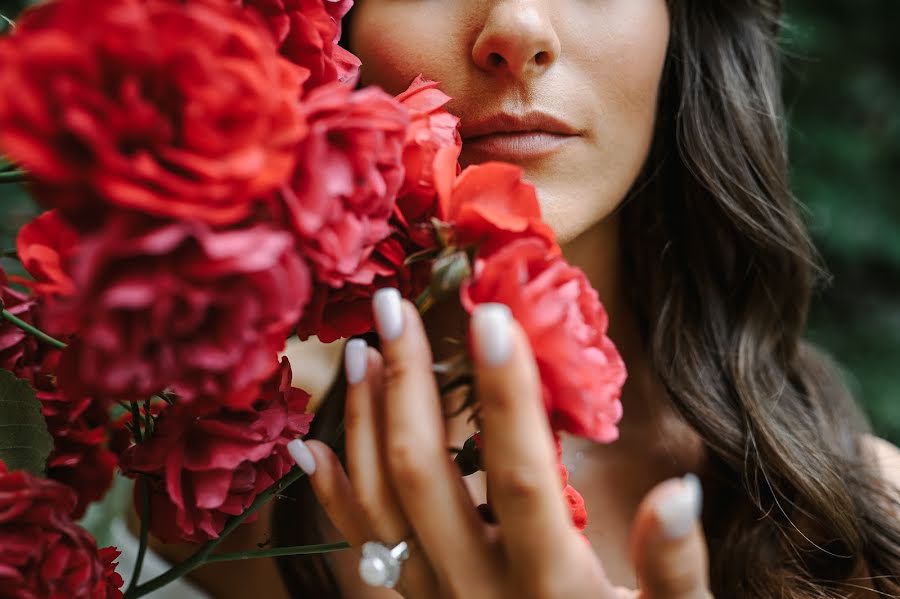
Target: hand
x,y
401,482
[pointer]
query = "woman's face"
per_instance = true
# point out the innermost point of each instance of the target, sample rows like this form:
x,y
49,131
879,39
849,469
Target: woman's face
x,y
567,89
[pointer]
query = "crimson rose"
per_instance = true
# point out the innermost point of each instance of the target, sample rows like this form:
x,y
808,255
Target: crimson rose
x,y
346,311
179,305
81,431
207,464
349,169
581,371
334,313
180,109
43,553
307,33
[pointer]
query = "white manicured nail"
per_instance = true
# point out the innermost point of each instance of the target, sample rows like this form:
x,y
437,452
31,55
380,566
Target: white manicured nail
x,y
356,357
388,313
679,510
490,324
302,455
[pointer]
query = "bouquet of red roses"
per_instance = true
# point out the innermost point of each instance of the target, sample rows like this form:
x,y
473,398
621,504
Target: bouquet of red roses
x,y
215,181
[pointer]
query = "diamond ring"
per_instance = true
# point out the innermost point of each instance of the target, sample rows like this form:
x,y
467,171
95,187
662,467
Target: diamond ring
x,y
380,564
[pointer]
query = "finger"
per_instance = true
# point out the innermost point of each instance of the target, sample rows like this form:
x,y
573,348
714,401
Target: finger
x,y
365,467
518,449
338,498
431,491
667,543
331,487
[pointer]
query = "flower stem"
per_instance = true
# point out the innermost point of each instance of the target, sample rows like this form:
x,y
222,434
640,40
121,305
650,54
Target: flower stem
x,y
136,423
202,555
278,552
16,176
32,330
145,530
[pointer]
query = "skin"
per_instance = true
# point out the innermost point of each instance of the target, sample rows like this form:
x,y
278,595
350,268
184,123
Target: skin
x,y
600,69
598,66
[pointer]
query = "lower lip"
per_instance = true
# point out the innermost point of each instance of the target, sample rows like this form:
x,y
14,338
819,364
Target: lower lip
x,y
513,147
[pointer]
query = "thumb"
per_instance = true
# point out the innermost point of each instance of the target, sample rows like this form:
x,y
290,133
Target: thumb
x,y
667,544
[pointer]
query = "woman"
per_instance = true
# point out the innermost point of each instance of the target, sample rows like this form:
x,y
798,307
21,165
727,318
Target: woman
x,y
653,133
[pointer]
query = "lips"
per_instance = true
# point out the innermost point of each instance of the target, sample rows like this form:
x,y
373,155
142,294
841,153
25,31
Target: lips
x,y
516,137
517,146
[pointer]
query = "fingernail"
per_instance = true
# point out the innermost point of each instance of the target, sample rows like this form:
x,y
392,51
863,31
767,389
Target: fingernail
x,y
490,325
679,510
302,455
356,357
388,315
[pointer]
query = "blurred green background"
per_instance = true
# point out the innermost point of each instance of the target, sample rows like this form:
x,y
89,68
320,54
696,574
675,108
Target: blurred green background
x,y
842,89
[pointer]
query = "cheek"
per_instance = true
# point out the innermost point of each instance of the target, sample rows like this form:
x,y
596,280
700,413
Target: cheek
x,y
418,41
620,61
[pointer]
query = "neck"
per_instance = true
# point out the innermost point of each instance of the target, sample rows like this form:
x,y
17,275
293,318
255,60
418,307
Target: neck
x,y
597,252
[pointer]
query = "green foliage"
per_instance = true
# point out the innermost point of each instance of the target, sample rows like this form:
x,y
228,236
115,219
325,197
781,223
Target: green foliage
x,y
24,442
842,89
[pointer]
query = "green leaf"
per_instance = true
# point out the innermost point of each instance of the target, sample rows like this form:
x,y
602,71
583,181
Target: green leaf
x,y
24,440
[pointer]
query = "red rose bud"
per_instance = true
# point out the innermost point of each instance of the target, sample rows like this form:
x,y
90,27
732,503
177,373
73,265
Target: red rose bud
x,y
581,371
176,109
448,272
43,553
178,305
307,33
207,464
349,169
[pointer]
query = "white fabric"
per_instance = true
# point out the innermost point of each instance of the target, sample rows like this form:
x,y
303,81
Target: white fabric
x,y
153,566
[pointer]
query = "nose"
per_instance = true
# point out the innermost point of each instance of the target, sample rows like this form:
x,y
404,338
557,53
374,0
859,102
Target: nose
x,y
518,37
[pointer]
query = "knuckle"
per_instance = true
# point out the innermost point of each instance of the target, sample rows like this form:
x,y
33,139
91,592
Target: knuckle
x,y
368,508
398,369
407,462
518,483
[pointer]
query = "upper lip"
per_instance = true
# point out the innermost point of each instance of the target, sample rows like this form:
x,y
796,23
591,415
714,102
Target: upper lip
x,y
508,122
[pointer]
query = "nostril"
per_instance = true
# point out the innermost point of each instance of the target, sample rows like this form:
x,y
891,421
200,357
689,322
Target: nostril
x,y
495,60
542,58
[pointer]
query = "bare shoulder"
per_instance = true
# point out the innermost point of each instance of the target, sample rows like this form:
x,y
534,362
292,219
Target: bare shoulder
x,y
888,458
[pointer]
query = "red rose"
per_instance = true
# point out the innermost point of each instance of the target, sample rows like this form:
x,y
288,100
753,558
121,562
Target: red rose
x,y
346,311
81,429
113,581
179,109
44,245
179,305
348,172
431,129
581,370
43,553
207,465
18,349
489,204
307,33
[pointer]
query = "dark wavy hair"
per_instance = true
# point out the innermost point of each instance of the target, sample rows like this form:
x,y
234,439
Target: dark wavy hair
x,y
721,270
